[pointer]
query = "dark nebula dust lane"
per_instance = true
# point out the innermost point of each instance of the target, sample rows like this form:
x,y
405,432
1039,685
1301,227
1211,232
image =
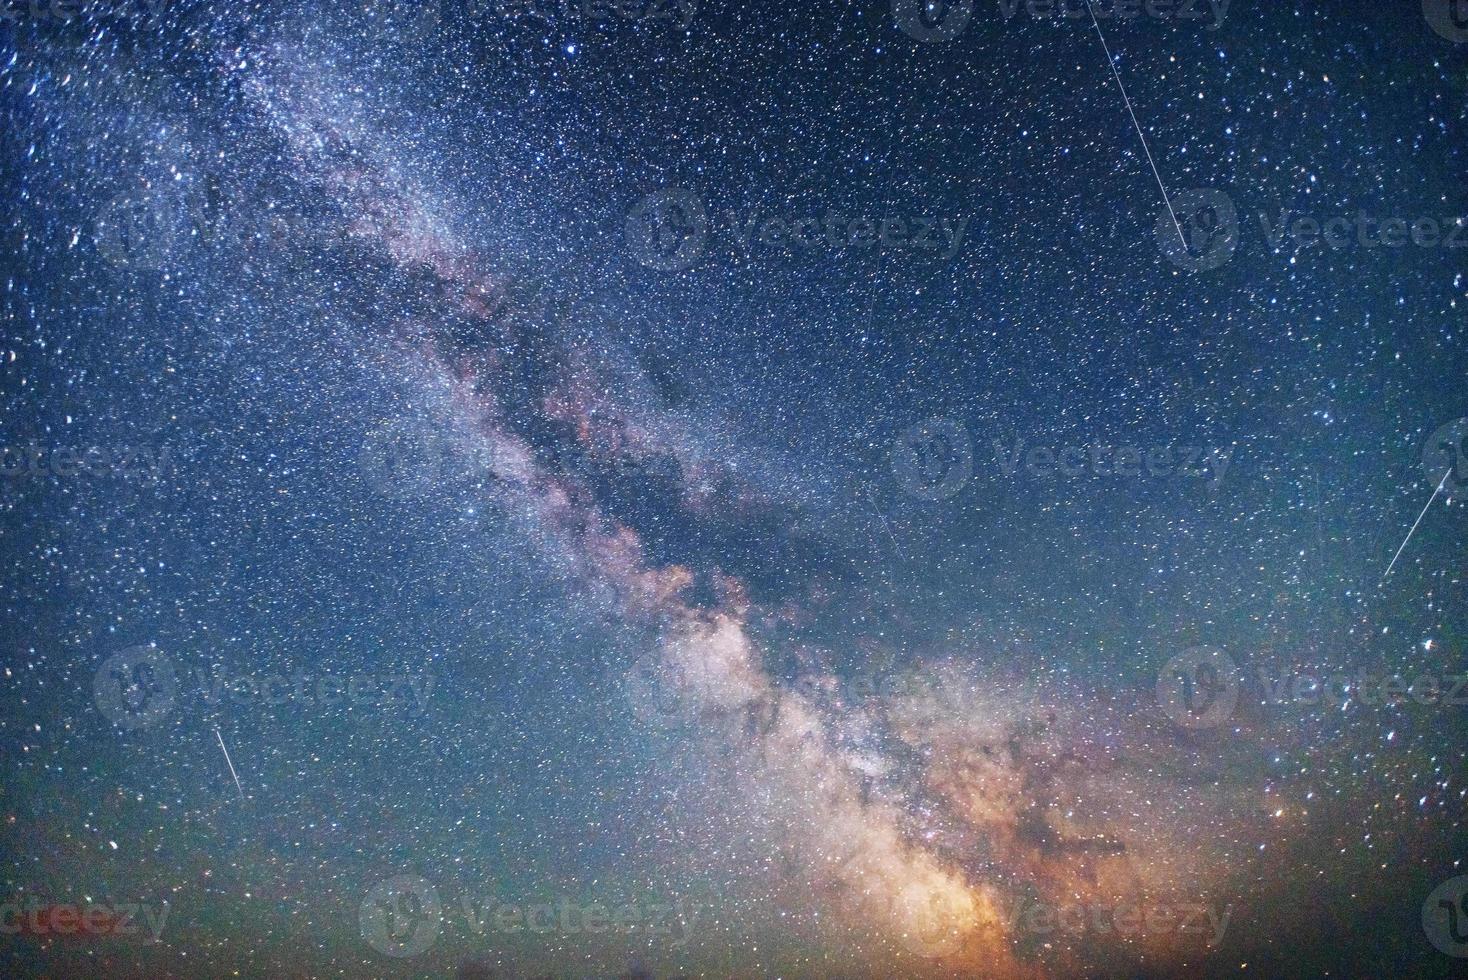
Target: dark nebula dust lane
x,y
535,489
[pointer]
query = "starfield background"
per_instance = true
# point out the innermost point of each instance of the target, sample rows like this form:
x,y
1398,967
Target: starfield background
x,y
733,489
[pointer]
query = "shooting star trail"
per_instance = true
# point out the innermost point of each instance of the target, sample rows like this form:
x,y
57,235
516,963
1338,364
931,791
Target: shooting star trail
x,y
1441,484
230,764
883,518
1132,112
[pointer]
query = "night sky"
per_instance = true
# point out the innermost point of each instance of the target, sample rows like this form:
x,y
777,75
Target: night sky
x,y
664,488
